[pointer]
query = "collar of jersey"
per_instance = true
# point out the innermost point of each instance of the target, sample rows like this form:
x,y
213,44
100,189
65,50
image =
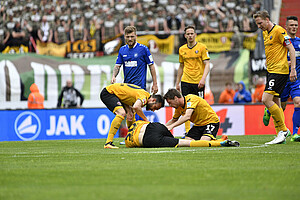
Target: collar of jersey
x,y
133,46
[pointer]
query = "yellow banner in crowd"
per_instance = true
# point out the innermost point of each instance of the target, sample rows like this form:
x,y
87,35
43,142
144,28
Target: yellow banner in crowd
x,y
80,46
12,50
165,46
51,49
249,41
215,42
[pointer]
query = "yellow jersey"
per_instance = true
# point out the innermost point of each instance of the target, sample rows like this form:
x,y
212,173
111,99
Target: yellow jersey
x,y
128,93
132,138
276,52
192,59
203,114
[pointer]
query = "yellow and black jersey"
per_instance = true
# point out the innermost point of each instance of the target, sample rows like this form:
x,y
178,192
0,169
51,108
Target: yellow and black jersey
x,y
203,114
275,43
193,58
132,138
128,93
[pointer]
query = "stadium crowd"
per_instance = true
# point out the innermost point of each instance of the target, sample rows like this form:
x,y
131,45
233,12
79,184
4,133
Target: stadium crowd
x,y
60,21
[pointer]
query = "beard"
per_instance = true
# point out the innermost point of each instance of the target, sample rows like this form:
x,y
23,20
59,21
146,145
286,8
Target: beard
x,y
148,106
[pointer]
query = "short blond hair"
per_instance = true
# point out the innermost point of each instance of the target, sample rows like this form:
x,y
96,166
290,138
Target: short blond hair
x,y
130,29
262,14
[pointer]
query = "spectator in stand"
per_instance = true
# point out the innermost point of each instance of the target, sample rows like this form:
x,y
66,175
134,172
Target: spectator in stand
x,y
241,20
45,32
125,21
17,36
68,97
242,95
226,23
160,21
174,23
140,22
227,95
150,22
201,18
4,36
78,30
110,26
61,31
94,31
259,90
35,98
212,25
189,20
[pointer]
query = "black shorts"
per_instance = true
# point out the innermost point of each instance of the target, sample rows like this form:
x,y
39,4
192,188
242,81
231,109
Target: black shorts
x,y
157,135
276,83
110,100
190,88
210,130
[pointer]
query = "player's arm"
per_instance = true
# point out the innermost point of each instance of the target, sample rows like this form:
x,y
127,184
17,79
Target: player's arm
x,y
116,71
172,121
293,74
154,79
205,73
137,107
182,119
179,75
129,112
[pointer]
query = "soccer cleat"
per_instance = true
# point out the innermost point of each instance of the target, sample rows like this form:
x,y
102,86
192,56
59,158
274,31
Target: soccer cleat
x,y
229,143
280,138
266,118
295,138
224,137
110,145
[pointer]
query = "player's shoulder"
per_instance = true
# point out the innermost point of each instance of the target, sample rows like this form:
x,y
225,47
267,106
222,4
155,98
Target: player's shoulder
x,y
123,48
183,47
278,28
142,46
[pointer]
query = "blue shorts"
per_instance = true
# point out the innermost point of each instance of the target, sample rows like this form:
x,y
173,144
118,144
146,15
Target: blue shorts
x,y
291,88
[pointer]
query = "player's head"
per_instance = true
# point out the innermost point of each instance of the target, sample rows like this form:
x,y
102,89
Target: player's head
x,y
262,19
172,97
69,83
189,33
130,36
155,102
291,25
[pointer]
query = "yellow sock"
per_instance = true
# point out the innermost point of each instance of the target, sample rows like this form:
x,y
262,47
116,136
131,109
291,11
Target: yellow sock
x,y
278,116
205,143
187,126
276,126
114,127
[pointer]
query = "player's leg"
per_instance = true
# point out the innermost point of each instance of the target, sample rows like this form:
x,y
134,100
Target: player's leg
x,y
296,119
205,143
187,88
114,105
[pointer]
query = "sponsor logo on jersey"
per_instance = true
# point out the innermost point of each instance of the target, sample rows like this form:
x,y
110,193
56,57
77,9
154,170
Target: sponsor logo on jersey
x,y
130,63
189,104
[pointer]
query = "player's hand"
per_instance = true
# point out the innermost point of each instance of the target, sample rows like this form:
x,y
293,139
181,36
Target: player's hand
x,y
169,127
154,89
178,87
113,80
201,84
293,75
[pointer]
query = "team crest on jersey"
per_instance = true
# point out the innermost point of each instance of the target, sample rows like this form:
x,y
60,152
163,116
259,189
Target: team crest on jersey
x,y
136,55
196,51
189,104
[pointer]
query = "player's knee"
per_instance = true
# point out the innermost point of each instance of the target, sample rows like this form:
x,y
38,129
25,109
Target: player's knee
x,y
297,102
121,112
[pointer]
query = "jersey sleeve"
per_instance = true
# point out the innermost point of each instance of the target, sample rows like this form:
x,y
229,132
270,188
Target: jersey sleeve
x,y
149,58
176,114
143,98
119,60
284,37
191,103
180,56
205,54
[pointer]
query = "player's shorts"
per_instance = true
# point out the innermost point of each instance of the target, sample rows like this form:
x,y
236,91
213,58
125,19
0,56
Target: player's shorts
x,y
276,83
191,88
291,88
157,135
111,101
210,130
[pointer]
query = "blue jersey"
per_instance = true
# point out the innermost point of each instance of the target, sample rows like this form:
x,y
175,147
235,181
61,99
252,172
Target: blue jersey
x,y
296,43
135,63
292,88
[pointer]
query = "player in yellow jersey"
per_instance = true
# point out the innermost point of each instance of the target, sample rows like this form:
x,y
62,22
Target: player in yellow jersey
x,y
147,134
124,99
277,44
197,110
194,67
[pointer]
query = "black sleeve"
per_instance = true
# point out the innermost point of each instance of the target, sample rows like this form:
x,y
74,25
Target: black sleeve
x,y
80,96
60,98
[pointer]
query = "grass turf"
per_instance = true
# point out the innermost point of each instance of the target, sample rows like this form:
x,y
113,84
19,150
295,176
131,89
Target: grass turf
x,y
82,169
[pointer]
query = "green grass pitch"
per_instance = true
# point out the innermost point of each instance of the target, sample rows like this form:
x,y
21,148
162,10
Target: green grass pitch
x,y
82,169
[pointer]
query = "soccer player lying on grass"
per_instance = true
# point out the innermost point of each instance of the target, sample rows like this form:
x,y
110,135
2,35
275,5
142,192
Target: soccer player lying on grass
x,y
126,99
148,134
195,109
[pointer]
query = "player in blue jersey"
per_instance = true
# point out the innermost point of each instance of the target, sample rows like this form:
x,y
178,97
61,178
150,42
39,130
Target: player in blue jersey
x,y
134,57
292,88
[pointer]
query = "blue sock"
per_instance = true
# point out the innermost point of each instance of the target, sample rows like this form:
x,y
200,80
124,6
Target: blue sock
x,y
296,120
268,112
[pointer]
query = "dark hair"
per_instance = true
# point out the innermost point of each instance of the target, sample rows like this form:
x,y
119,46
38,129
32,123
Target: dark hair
x,y
262,14
129,29
172,93
291,18
159,99
188,27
